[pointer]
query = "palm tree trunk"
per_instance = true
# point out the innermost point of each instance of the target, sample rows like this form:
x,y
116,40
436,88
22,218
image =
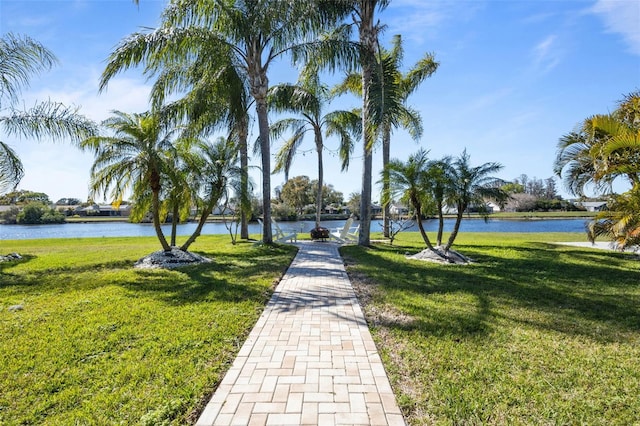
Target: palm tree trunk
x,y
259,87
156,220
423,233
386,154
456,227
318,138
175,217
244,180
368,41
206,211
265,151
440,222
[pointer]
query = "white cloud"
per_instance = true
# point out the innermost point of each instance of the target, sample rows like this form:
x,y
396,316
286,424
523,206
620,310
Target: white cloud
x,y
546,55
621,17
418,19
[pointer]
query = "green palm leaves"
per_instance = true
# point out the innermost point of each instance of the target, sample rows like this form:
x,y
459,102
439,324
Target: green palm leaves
x,y
307,99
604,149
163,172
20,59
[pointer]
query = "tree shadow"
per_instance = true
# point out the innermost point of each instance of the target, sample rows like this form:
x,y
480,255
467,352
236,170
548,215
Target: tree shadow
x,y
551,288
229,278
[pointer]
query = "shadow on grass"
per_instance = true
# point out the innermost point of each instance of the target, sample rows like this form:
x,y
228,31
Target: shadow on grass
x,y
577,292
231,277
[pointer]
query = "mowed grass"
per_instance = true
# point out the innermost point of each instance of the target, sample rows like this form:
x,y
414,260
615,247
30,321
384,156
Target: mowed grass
x,y
532,333
99,342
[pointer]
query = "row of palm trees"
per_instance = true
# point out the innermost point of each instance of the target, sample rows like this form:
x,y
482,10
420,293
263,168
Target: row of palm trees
x,y
216,54
428,185
602,150
214,57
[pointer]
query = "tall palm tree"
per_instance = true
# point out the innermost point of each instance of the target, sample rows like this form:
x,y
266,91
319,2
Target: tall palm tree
x,y
135,158
472,185
307,98
390,90
363,16
408,180
214,99
21,58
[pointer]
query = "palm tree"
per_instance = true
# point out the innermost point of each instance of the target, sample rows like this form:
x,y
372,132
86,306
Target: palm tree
x,y
20,59
619,155
439,186
363,14
578,158
364,17
621,223
216,171
472,185
408,180
390,89
213,100
307,98
135,158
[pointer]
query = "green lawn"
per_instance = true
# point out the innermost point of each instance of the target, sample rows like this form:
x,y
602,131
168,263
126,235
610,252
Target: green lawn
x,y
532,333
99,342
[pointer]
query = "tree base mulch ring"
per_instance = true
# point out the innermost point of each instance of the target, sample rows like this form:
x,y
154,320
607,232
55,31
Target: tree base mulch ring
x,y
175,258
440,256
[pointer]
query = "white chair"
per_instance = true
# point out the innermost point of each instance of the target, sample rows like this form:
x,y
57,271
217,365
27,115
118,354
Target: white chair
x,y
283,237
280,236
346,234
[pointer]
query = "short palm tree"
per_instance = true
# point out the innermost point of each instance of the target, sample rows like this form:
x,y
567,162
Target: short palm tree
x,y
136,157
619,155
215,171
621,222
20,59
408,180
471,186
439,186
307,99
578,158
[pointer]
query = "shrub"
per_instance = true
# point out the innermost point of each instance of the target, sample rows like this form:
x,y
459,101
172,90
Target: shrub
x,y
37,213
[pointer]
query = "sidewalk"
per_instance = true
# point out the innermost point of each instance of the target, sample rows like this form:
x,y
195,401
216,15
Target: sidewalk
x,y
310,359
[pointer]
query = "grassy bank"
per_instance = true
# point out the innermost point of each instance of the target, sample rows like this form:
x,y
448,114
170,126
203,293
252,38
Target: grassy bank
x,y
98,342
532,333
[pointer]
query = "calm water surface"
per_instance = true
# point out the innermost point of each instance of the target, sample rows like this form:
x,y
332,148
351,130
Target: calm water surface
x,y
120,229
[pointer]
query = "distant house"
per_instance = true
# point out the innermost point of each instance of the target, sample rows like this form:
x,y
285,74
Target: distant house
x,y
398,209
592,206
105,210
493,207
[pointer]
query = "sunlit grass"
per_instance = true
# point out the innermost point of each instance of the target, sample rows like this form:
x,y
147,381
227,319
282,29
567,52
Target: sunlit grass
x,y
98,342
532,333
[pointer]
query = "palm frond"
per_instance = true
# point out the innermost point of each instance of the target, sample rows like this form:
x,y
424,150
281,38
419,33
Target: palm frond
x,y
21,57
48,119
11,170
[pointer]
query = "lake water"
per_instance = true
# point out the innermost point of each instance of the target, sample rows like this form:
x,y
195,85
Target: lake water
x,y
120,229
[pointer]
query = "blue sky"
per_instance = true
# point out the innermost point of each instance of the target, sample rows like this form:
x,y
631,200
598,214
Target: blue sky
x,y
514,76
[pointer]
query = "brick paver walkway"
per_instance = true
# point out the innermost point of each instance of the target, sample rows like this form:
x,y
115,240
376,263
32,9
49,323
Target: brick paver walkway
x,y
310,359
